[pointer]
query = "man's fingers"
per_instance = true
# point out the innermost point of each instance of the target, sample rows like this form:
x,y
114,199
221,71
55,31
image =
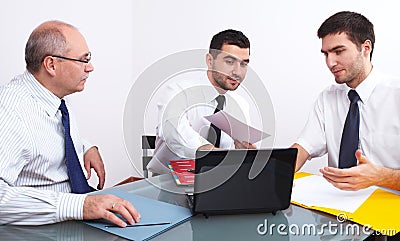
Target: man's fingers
x,y
251,146
338,185
134,213
114,219
244,145
107,206
87,168
127,211
101,177
237,144
361,158
345,183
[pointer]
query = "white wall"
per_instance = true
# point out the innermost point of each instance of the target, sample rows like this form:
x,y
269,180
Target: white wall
x,y
126,37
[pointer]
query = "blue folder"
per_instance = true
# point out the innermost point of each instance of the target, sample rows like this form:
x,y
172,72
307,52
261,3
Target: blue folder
x,y
151,211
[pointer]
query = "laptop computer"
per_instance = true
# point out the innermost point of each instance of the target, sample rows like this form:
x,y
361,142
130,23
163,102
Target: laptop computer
x,y
243,181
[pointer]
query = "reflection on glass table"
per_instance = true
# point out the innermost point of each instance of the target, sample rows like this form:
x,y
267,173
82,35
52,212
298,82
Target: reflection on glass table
x,y
294,223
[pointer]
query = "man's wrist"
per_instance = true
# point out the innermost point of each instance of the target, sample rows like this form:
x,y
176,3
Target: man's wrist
x,y
70,206
389,178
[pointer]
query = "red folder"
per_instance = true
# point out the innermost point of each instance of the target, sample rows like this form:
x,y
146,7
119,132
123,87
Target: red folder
x,y
182,171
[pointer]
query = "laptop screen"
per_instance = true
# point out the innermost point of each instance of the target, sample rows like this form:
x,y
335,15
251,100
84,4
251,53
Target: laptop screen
x,y
243,181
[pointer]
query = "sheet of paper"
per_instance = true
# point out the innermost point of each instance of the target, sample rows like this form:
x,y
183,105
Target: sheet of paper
x,y
316,191
235,128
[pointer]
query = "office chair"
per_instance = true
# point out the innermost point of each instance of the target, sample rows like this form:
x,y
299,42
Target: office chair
x,y
148,143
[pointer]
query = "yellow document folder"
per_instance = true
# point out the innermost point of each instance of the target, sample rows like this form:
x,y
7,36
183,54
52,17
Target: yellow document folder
x,y
381,211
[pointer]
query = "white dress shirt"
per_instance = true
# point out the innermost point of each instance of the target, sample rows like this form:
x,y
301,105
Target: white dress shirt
x,y
379,133
34,183
182,128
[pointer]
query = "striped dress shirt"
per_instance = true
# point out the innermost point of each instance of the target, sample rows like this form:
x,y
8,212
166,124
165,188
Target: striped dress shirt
x,y
34,184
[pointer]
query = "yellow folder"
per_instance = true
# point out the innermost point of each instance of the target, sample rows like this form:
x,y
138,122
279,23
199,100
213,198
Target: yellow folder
x,y
381,211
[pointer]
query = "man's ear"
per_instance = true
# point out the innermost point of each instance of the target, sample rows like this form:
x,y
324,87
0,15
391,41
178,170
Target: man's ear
x,y
209,60
49,65
366,47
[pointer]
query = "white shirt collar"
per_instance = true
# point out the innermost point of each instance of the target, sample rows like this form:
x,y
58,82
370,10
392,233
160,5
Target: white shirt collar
x,y
365,88
45,97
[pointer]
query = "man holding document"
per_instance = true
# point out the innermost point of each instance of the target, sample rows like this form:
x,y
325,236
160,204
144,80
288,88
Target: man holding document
x,y
182,128
357,120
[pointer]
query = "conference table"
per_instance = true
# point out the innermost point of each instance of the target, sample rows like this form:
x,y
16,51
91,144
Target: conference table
x,y
294,223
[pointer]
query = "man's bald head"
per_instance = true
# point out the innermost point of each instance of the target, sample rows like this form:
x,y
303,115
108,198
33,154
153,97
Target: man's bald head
x,y
47,39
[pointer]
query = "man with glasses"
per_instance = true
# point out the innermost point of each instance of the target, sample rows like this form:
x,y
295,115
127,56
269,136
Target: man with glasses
x,y
41,152
182,128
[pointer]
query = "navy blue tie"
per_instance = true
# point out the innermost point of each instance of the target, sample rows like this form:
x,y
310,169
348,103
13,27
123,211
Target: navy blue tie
x,y
77,179
350,138
214,133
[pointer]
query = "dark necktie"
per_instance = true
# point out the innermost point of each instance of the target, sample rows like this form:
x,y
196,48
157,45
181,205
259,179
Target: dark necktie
x,y
214,133
77,179
349,143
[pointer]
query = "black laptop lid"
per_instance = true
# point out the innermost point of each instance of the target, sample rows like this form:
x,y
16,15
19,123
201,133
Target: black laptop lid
x,y
243,181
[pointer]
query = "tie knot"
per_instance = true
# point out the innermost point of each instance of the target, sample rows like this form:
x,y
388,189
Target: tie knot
x,y
220,100
63,107
353,96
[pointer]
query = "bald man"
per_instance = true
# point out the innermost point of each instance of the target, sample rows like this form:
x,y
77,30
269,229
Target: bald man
x,y
36,183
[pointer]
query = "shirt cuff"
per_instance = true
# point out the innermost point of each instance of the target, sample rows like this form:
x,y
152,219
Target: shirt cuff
x,y
70,206
86,145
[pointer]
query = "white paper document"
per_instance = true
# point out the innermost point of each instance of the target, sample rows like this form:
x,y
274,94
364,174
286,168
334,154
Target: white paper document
x,y
235,128
315,191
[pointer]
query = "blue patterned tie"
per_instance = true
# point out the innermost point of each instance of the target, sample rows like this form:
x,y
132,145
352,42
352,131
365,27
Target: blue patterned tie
x,y
77,179
214,133
350,138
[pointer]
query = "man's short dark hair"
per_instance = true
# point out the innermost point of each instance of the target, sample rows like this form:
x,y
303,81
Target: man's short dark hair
x,y
231,37
357,27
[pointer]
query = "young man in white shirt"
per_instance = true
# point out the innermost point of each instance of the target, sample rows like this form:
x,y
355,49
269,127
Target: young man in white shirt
x,y
347,43
182,129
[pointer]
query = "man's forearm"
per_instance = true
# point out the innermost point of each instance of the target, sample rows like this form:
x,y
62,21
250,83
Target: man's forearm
x,y
390,178
30,206
302,156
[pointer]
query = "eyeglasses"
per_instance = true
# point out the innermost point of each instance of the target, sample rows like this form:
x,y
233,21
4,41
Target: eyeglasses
x,y
86,60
